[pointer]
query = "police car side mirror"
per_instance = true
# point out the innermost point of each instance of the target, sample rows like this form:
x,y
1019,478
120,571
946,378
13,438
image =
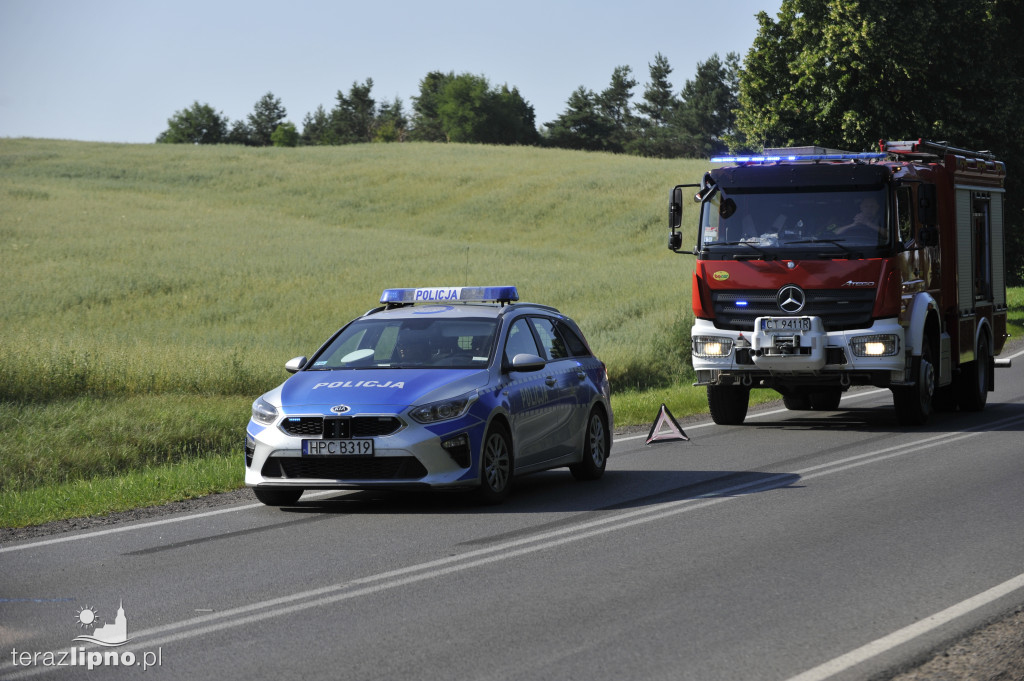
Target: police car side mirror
x,y
526,362
295,364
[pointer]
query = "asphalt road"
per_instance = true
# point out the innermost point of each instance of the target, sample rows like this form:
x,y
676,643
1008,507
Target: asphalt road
x,y
801,545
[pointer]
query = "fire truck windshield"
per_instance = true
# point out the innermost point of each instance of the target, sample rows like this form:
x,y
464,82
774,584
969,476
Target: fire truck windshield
x,y
812,223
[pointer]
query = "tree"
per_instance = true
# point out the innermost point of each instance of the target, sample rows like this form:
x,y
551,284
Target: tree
x,y
240,133
657,134
426,122
316,127
285,135
391,123
353,118
706,115
198,124
614,103
659,103
465,108
264,119
581,125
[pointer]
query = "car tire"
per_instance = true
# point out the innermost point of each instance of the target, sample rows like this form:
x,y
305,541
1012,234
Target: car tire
x,y
496,465
277,496
728,404
596,445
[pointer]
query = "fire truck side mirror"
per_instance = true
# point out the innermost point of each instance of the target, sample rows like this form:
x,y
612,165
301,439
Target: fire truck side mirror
x,y
928,236
675,209
927,204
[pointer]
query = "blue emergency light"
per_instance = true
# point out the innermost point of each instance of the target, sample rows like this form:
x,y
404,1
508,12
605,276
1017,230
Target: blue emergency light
x,y
867,156
450,294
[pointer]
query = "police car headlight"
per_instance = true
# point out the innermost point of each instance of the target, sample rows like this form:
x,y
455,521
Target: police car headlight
x,y
263,412
711,346
443,410
880,345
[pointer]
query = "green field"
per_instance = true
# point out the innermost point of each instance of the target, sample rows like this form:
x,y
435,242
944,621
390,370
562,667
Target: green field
x,y
151,292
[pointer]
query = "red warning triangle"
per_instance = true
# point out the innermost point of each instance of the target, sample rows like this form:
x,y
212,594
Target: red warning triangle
x,y
665,419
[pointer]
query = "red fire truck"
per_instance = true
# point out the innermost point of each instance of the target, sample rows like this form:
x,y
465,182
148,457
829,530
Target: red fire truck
x,y
820,269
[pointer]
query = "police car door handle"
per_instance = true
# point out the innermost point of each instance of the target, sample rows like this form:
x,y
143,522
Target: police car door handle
x,y
551,381
581,374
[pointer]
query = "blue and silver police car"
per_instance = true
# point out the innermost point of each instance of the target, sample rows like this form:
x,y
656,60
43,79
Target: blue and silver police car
x,y
456,387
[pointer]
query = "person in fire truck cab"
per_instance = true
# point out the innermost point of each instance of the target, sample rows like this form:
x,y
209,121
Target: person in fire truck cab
x,y
867,224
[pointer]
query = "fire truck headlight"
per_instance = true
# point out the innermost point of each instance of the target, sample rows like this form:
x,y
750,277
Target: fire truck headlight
x,y
882,345
711,346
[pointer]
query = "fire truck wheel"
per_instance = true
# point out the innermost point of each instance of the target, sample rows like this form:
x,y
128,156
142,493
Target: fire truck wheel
x,y
797,401
914,403
826,400
972,384
728,404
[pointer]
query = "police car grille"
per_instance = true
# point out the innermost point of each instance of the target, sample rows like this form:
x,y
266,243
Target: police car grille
x,y
345,467
839,309
362,426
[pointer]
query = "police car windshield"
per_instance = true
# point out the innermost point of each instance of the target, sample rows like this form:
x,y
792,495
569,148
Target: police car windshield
x,y
821,221
421,343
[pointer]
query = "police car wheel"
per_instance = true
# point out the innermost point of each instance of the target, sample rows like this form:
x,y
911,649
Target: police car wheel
x,y
595,448
495,465
277,497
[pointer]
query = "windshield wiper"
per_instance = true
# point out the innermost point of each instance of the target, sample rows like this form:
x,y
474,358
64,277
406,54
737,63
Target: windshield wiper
x,y
835,242
764,254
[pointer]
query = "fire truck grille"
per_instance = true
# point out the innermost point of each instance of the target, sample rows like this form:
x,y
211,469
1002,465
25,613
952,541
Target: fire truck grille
x,y
839,309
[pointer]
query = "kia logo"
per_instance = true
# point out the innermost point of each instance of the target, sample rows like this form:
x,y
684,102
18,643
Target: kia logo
x,y
340,409
791,299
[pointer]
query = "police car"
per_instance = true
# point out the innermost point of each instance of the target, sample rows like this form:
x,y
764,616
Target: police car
x,y
439,388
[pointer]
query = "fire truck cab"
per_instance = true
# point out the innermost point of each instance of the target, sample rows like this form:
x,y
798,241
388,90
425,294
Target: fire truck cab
x,y
818,270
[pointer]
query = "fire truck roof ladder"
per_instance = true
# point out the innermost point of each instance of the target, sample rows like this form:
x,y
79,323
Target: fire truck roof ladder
x,y
925,148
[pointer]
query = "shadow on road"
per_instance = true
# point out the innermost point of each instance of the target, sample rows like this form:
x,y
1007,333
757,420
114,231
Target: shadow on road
x,y
556,491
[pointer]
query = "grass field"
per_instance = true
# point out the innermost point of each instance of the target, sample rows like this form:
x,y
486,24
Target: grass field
x,y
151,292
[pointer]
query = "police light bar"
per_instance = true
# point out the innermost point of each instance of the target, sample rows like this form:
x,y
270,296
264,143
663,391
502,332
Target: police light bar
x,y
449,294
799,157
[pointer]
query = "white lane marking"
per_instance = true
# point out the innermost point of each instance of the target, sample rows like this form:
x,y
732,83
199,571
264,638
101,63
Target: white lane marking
x,y
372,584
151,523
909,633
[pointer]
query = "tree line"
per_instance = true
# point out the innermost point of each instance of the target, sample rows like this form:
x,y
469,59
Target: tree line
x,y
839,74
467,108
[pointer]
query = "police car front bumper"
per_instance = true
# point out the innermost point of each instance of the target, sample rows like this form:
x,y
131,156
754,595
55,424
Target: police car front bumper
x,y
441,455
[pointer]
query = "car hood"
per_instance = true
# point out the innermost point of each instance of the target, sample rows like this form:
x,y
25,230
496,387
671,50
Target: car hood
x,y
372,390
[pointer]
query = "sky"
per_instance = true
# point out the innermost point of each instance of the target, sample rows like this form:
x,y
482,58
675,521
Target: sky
x,y
116,70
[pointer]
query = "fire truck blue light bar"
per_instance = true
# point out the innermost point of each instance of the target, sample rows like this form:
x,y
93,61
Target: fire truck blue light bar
x,y
867,156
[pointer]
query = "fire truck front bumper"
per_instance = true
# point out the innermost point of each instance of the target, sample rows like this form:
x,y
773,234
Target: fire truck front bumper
x,y
800,348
